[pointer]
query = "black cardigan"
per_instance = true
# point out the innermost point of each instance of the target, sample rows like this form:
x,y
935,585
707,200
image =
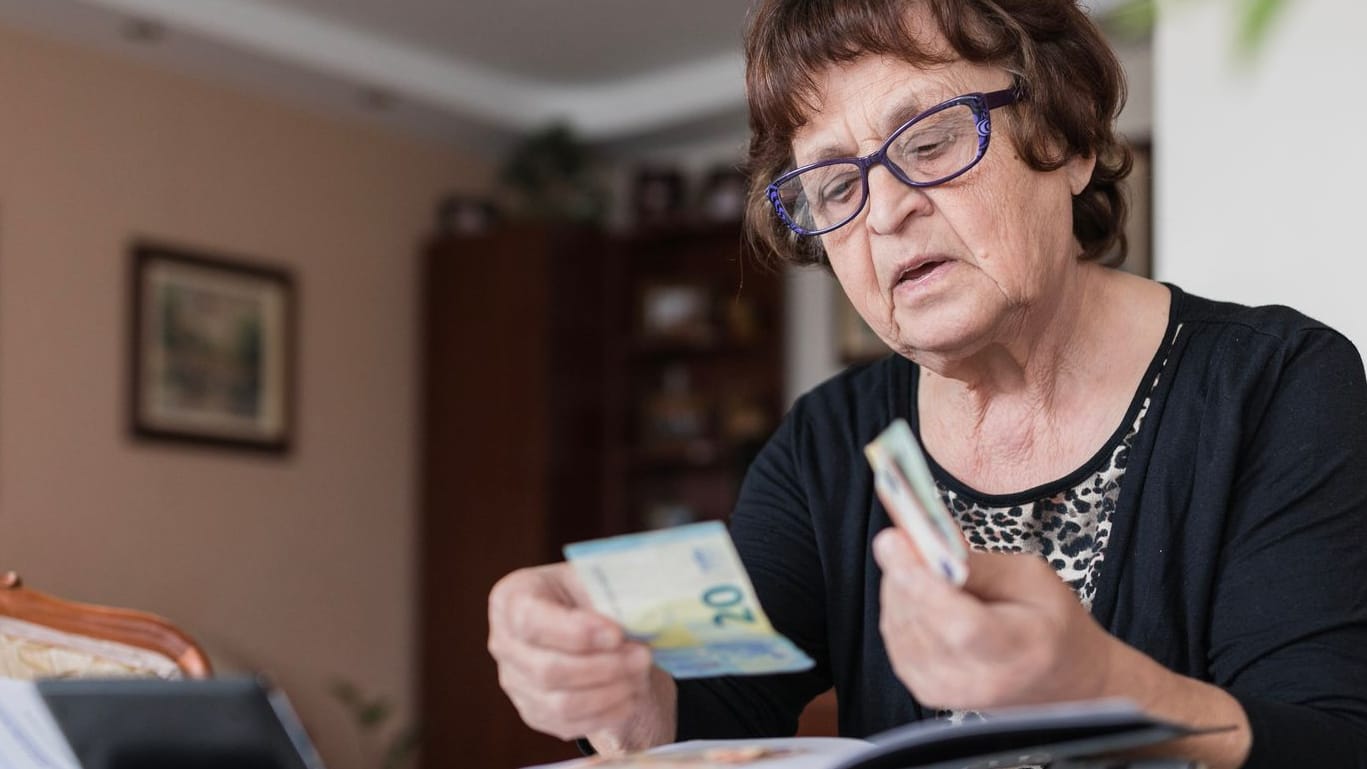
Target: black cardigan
x,y
1237,554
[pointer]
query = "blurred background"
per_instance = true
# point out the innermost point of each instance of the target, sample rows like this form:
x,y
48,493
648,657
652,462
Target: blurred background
x,y
518,310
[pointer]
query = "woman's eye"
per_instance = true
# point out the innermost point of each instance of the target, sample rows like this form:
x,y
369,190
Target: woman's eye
x,y
838,190
929,146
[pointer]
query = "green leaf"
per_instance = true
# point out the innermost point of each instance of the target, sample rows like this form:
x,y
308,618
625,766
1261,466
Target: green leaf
x,y
374,714
1132,20
345,692
1255,23
401,748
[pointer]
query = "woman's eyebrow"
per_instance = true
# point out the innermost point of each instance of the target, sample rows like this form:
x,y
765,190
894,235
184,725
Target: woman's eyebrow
x,y
898,112
828,152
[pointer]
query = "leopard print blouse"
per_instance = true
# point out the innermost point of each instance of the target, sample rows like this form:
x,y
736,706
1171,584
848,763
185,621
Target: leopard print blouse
x,y
1069,527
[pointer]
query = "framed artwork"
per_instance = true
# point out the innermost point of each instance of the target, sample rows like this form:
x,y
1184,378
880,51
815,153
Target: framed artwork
x,y
212,350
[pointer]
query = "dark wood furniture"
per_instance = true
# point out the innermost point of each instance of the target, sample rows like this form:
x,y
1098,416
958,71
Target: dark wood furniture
x,y
699,363
546,421
513,329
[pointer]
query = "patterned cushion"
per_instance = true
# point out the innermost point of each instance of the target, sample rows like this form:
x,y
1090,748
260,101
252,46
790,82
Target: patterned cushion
x,y
29,651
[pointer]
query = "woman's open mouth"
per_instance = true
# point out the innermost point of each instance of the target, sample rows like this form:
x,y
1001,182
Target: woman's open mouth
x,y
922,271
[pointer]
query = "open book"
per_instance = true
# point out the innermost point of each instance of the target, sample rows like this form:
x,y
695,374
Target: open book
x,y
243,723
1066,733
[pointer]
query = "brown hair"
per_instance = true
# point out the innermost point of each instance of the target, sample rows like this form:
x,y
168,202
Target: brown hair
x,y
1073,87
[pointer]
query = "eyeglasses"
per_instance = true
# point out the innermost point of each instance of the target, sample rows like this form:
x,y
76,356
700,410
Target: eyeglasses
x,y
931,148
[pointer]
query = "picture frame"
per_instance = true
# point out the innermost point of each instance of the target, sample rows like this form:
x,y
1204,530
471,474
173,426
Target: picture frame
x,y
211,352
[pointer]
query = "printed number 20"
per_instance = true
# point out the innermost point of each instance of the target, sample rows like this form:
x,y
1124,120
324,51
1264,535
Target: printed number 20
x,y
726,600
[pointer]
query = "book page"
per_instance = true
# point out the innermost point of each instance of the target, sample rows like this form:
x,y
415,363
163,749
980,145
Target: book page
x,y
29,737
1007,737
782,753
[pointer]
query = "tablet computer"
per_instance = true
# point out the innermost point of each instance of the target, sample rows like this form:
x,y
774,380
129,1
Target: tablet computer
x,y
242,723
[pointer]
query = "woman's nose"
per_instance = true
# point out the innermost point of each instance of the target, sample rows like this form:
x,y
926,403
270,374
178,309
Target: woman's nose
x,y
891,201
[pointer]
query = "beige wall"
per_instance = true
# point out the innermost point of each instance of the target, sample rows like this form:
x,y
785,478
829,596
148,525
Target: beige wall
x,y
300,566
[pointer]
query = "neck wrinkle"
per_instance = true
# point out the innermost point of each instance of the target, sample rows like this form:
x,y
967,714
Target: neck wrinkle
x,y
1032,359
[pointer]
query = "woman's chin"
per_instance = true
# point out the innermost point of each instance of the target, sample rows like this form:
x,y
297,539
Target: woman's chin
x,y
941,334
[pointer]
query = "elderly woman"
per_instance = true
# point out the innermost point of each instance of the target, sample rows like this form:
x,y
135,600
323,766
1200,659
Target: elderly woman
x,y
1164,493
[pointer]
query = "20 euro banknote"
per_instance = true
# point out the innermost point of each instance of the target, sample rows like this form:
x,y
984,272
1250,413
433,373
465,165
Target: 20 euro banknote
x,y
685,592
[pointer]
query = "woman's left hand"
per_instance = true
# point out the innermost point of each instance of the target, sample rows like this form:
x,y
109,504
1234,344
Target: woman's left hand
x,y
1014,634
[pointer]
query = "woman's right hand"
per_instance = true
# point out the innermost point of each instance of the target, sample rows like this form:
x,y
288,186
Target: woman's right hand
x,y
569,670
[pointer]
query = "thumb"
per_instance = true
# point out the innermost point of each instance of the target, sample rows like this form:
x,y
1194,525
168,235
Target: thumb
x,y
895,554
1009,577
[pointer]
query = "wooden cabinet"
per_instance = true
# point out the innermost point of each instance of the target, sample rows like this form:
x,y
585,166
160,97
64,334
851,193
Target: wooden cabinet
x,y
512,453
575,385
699,361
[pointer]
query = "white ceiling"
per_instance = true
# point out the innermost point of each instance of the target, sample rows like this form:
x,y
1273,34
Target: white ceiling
x,y
474,71
477,70
571,43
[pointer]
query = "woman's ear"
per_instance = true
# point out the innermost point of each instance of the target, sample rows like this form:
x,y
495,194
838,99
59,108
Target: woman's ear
x,y
1079,170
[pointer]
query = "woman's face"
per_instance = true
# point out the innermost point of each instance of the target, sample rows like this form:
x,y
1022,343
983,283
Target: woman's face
x,y
945,270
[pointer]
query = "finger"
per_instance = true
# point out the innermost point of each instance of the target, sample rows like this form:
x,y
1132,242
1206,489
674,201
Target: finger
x,y
907,620
951,615
569,713
910,588
918,600
536,620
553,670
921,659
611,720
610,706
897,555
1010,578
903,626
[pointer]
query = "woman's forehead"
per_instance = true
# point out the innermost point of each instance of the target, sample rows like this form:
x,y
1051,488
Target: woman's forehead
x,y
875,94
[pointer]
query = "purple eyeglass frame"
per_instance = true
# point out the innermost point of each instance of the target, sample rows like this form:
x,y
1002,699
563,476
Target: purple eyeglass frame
x,y
982,105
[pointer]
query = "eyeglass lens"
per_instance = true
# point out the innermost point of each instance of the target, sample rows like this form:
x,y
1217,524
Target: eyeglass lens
x,y
929,150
